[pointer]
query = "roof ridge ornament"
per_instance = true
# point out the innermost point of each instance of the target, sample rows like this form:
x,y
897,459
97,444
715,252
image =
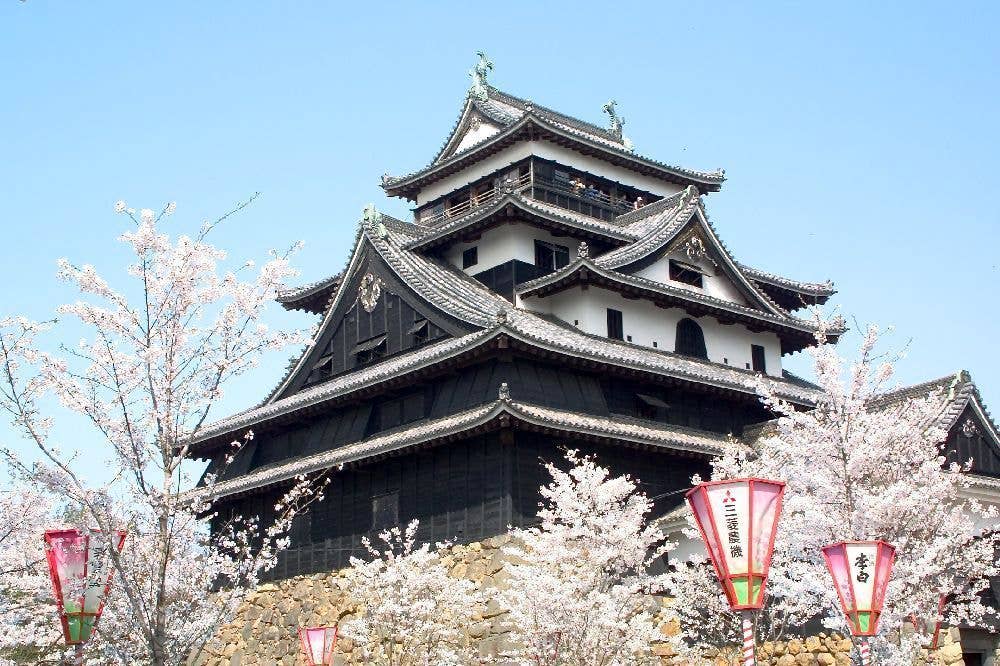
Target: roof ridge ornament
x,y
694,249
583,251
501,317
503,394
690,193
479,74
371,219
615,122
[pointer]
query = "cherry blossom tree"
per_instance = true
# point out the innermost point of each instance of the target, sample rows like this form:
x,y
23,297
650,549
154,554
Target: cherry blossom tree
x,y
146,379
411,611
579,585
25,590
864,464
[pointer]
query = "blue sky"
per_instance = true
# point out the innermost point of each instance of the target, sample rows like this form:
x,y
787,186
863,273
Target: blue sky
x,y
860,139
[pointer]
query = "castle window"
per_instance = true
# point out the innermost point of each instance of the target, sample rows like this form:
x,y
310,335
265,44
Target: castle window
x,y
470,257
686,273
419,332
370,350
757,356
615,330
385,511
650,407
323,368
550,256
690,339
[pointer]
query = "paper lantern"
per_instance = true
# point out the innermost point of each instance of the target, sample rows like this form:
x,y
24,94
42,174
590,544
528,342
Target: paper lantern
x,y
318,644
738,520
80,568
860,571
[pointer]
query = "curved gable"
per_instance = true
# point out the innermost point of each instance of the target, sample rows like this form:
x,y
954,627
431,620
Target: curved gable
x,y
684,235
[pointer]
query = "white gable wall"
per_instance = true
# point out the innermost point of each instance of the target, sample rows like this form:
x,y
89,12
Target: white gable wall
x,y
474,136
716,283
505,243
548,151
646,323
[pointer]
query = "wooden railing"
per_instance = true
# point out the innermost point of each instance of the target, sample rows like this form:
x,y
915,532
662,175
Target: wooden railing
x,y
588,201
477,200
583,194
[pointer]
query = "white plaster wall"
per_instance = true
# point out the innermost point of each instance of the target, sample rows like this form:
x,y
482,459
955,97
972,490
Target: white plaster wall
x,y
716,282
504,243
647,323
548,151
474,136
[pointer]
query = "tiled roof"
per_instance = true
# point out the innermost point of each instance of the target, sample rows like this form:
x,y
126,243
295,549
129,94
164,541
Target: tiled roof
x,y
651,286
546,119
468,300
316,295
625,429
641,220
505,110
540,331
341,385
960,391
664,226
522,106
809,288
302,297
657,230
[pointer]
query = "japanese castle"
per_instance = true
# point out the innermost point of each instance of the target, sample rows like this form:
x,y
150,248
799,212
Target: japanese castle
x,y
554,288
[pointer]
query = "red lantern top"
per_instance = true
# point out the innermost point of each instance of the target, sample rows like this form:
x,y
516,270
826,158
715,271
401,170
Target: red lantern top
x,y
738,520
860,571
80,584
318,644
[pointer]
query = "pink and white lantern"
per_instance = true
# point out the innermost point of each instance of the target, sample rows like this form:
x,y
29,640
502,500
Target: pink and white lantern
x,y
861,571
738,520
80,568
318,644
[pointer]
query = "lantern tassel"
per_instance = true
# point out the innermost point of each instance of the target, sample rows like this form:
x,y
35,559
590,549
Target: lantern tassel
x,y
865,651
746,618
78,655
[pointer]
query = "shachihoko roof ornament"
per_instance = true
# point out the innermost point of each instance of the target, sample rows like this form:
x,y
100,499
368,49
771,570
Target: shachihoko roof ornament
x,y
615,122
479,74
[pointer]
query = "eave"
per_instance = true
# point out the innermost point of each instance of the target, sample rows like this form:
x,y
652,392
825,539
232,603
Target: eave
x,y
587,353
529,128
312,297
502,414
795,334
790,294
666,233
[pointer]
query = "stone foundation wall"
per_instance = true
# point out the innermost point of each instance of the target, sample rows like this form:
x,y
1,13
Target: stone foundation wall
x,y
264,630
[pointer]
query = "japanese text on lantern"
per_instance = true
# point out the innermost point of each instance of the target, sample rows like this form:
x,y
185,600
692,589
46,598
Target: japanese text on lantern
x,y
732,525
861,563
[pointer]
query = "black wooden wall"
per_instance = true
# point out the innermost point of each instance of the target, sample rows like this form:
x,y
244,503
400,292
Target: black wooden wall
x,y
395,313
961,446
660,474
464,491
528,380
